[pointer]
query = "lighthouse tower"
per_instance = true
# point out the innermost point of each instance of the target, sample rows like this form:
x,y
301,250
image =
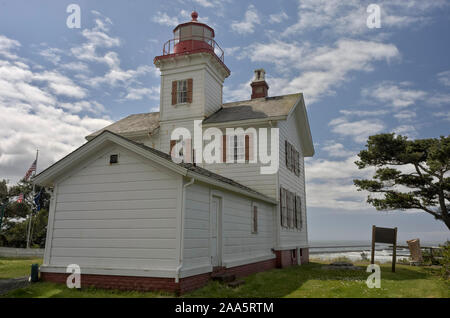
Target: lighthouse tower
x,y
192,75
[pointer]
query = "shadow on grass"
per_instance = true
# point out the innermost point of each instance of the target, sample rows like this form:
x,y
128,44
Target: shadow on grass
x,y
311,280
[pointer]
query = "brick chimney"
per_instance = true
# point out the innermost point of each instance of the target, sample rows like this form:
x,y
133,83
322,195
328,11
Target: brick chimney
x,y
259,85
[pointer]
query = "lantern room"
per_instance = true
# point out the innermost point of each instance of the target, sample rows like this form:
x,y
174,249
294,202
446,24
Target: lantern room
x,y
192,37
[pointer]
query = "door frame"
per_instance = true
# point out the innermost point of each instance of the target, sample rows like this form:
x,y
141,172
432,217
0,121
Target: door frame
x,y
219,220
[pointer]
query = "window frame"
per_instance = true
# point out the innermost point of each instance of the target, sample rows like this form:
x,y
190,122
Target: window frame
x,y
235,152
182,93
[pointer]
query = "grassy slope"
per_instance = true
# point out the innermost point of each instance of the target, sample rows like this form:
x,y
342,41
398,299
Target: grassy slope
x,y
17,267
305,281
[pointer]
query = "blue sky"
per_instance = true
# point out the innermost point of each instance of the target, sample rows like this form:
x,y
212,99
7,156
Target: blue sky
x,y
59,84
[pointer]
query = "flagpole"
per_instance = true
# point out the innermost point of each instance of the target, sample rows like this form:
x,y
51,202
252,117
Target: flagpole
x,y
31,213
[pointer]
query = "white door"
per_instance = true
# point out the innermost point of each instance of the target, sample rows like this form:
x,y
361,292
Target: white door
x,y
216,234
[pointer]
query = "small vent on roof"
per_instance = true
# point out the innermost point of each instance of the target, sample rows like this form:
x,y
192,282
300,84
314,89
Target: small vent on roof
x,y
113,159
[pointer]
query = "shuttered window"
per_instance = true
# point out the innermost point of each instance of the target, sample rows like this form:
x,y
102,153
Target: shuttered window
x,y
224,148
236,148
296,162
247,148
283,208
182,91
292,158
254,219
298,213
290,209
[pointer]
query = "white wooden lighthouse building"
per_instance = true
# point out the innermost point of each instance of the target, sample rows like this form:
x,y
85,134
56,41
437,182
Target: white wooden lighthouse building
x,y
132,217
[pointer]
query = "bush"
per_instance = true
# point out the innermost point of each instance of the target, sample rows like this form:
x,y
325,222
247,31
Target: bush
x,y
445,261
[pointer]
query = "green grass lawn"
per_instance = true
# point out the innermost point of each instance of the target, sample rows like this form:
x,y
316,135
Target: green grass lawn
x,y
300,281
17,267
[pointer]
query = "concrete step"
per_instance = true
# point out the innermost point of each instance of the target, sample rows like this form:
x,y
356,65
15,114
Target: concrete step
x,y
236,283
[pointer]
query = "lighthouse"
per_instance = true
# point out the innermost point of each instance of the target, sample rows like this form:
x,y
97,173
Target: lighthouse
x,y
193,71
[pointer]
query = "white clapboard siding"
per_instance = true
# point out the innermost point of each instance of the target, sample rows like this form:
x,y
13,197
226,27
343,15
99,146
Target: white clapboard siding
x,y
171,112
248,174
288,179
213,94
117,216
238,241
196,227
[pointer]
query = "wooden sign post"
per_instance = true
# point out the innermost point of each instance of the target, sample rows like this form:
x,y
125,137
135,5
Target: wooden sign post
x,y
384,235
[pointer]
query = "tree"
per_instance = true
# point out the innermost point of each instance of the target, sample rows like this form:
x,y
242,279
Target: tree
x,y
410,174
15,222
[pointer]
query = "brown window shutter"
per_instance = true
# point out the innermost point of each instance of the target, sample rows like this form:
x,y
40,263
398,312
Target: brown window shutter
x,y
224,148
298,212
172,144
286,153
247,147
281,207
174,92
189,90
255,219
290,207
295,157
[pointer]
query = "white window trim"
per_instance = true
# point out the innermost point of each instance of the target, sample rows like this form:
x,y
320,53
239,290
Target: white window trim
x,y
185,81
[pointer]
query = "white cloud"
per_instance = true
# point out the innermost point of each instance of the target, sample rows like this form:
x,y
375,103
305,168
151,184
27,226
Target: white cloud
x,y
140,93
438,99
75,66
329,184
32,117
60,84
406,130
364,113
406,115
445,115
444,78
349,17
7,45
115,76
359,130
395,95
336,150
164,19
322,68
247,25
278,17
51,54
230,51
84,106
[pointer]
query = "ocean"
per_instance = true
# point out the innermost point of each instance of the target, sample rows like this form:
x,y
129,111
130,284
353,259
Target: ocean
x,y
357,250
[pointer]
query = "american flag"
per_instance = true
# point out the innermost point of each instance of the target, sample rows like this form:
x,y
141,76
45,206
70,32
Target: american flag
x,y
20,198
30,171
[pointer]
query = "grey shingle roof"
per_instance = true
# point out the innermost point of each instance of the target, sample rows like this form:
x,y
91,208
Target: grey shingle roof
x,y
132,124
257,108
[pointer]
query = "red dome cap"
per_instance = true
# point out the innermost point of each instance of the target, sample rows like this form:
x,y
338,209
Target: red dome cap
x,y
194,15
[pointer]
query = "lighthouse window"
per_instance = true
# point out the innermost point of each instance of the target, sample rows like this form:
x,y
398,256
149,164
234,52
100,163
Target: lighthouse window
x,y
236,149
182,91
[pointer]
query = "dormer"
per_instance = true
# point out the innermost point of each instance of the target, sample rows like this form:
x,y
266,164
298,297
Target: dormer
x,y
192,72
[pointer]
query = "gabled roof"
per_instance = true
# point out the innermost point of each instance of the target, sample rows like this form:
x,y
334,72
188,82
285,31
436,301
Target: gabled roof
x,y
242,112
133,125
59,168
258,108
